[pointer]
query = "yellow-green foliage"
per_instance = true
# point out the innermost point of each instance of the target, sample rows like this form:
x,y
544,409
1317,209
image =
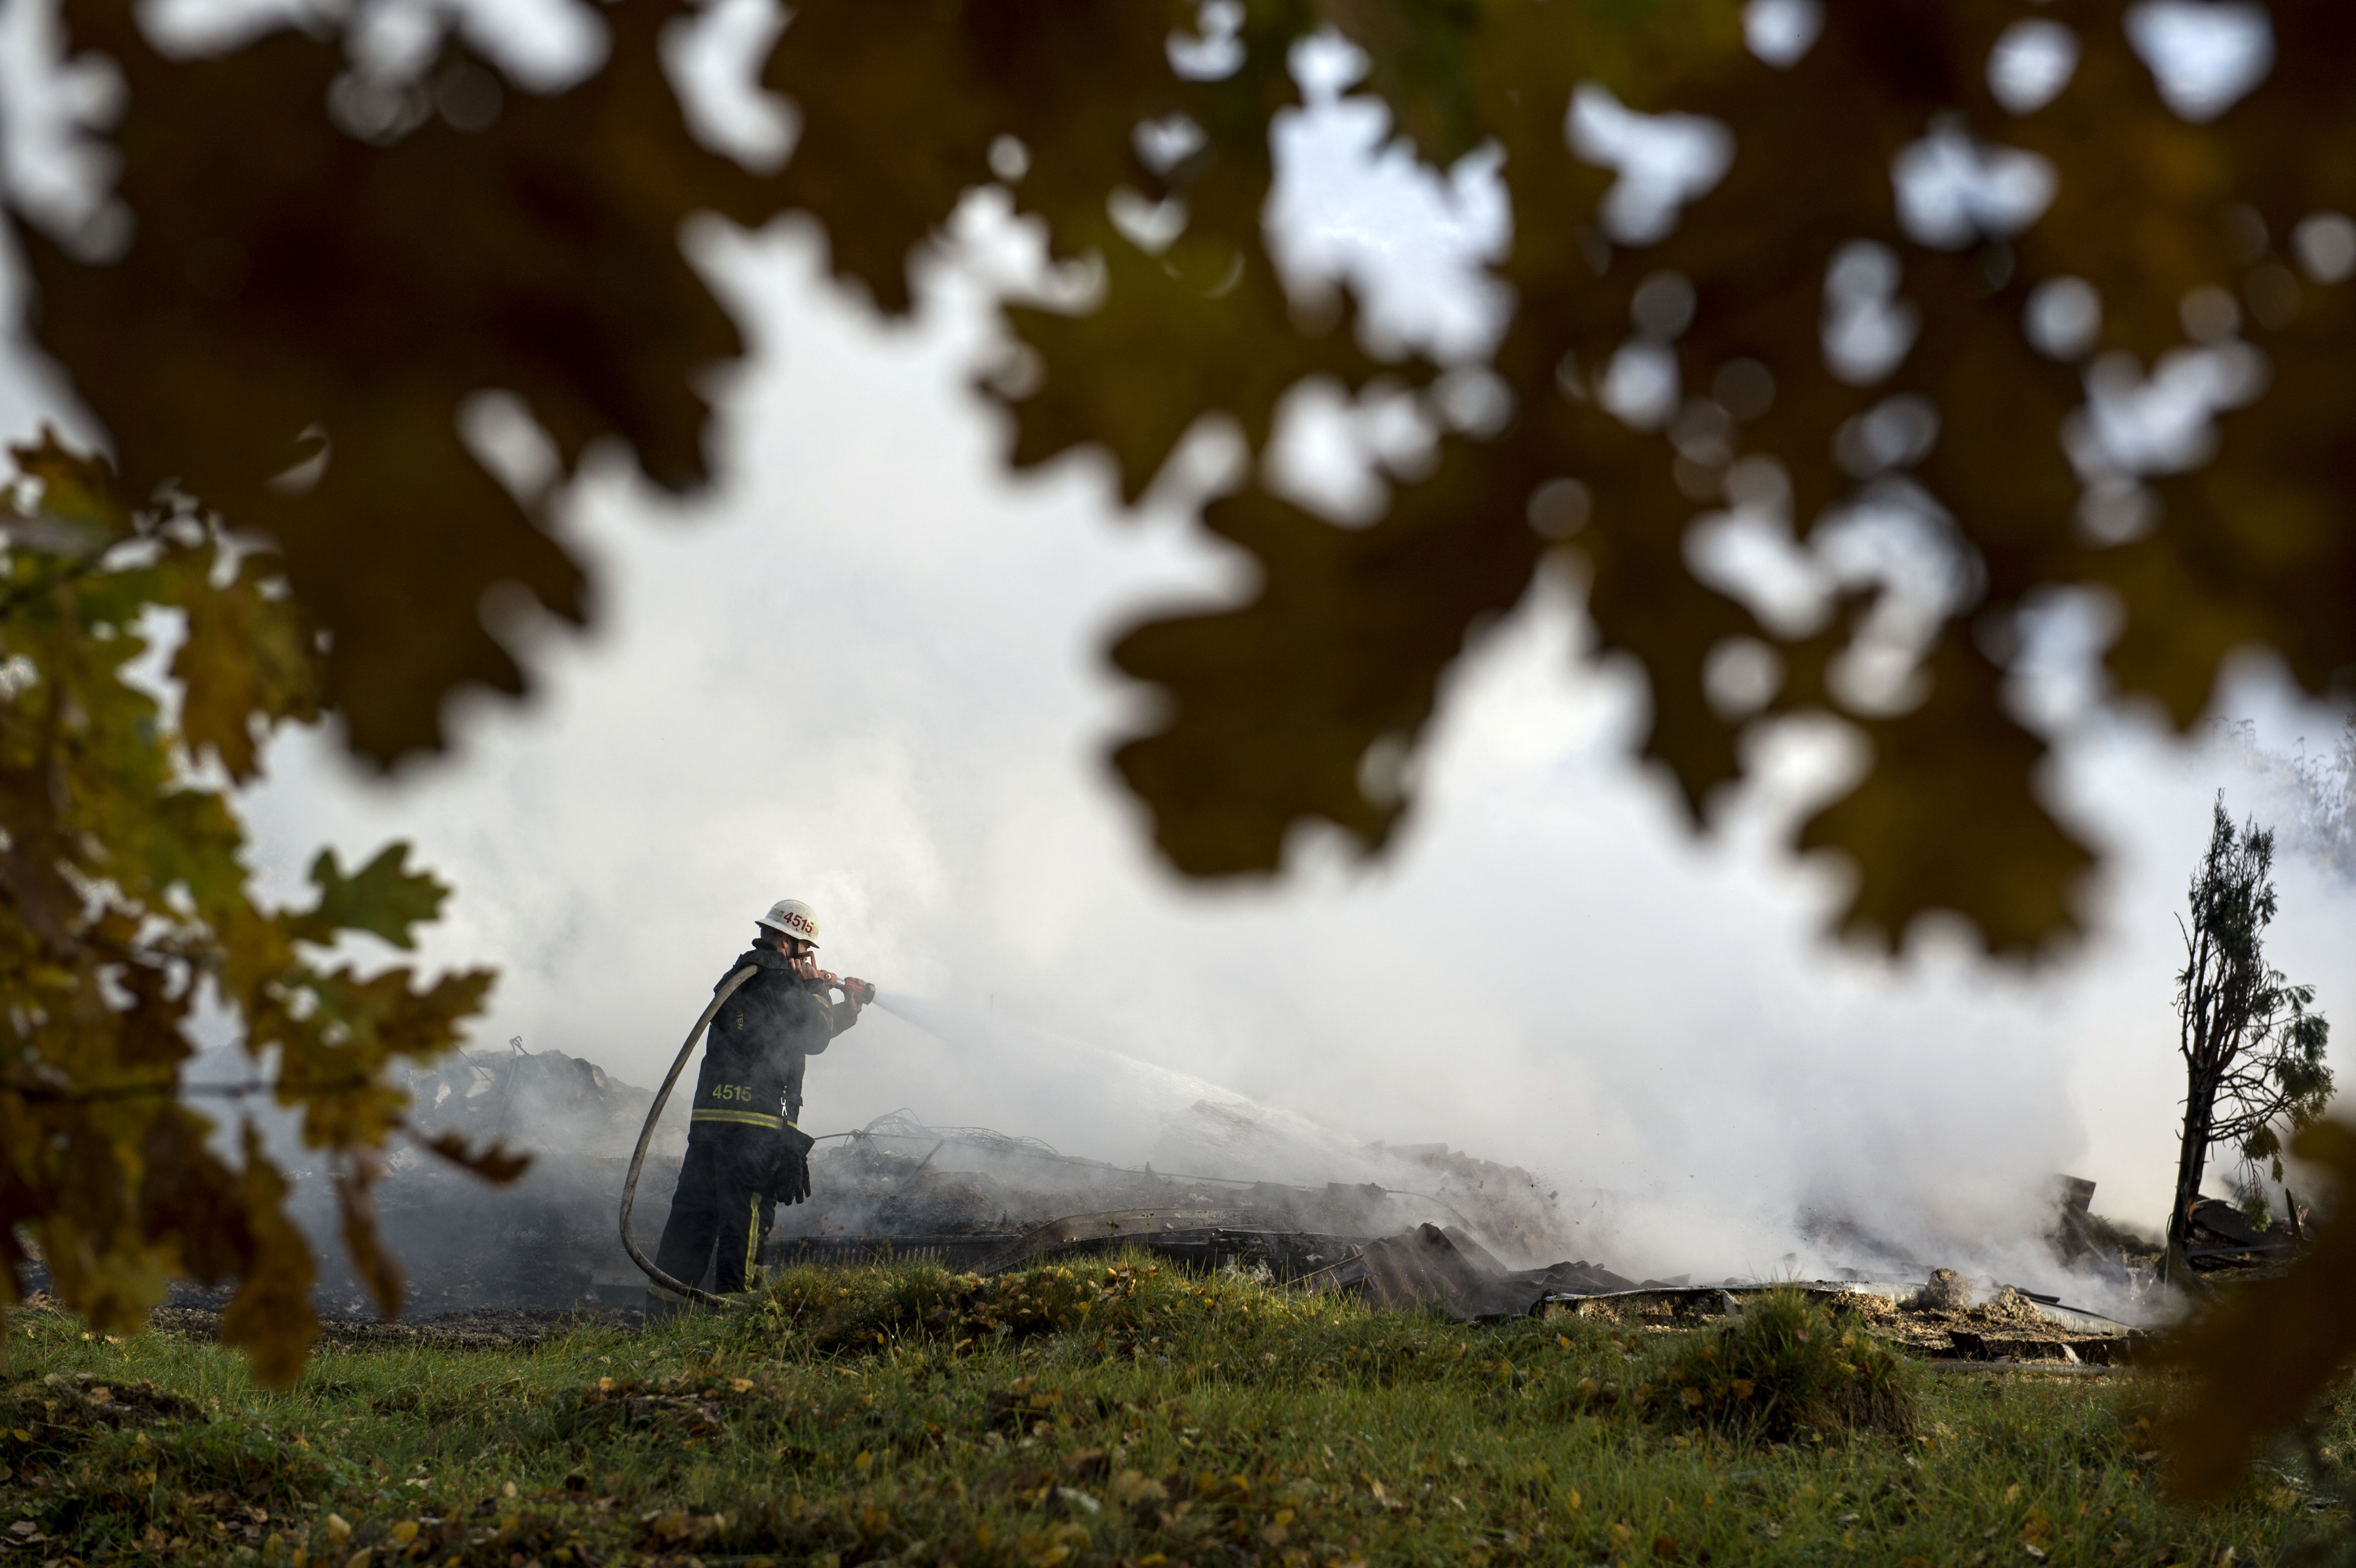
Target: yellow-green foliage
x,y
1783,1367
126,902
1119,1301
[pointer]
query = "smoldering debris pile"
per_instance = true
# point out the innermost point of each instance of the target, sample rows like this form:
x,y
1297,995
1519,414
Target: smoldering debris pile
x,y
548,1240
899,1186
2089,1245
1228,1186
520,1098
979,1197
2225,1244
2012,1327
2091,1256
2100,1255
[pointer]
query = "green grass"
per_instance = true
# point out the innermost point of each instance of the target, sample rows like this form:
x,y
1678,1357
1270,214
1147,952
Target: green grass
x,y
1097,1415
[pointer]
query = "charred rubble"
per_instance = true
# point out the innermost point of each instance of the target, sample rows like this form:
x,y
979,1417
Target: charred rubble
x,y
2225,1245
2110,1260
975,1197
1414,1225
968,1197
546,1243
2012,1327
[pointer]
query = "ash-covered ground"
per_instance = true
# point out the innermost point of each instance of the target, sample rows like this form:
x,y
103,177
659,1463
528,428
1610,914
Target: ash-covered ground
x,y
547,1242
968,1196
900,1178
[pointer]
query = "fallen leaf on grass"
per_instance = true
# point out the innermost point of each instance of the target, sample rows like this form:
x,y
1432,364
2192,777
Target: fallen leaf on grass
x,y
1132,1486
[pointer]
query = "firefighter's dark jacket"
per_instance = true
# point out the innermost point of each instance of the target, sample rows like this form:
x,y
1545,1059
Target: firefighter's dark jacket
x,y
768,1028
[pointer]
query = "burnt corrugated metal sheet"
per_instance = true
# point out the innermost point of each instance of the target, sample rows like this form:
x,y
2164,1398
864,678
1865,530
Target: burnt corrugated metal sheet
x,y
1198,1237
1444,1267
1140,1224
957,1250
1268,1255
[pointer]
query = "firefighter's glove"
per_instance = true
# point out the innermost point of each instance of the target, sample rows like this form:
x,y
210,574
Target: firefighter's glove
x,y
860,991
790,1180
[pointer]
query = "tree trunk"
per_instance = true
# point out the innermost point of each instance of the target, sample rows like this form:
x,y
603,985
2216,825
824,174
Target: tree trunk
x,y
2199,1114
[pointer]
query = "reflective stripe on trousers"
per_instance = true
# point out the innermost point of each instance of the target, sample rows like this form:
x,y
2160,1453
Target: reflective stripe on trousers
x,y
752,1243
738,1118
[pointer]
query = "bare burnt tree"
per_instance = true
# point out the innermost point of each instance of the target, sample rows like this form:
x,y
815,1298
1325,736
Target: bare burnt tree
x,y
2253,1049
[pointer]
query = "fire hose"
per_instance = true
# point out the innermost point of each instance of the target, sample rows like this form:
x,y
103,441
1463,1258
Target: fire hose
x,y
646,1136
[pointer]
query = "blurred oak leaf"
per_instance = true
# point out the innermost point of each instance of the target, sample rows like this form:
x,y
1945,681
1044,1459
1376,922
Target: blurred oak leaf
x,y
299,316
494,1163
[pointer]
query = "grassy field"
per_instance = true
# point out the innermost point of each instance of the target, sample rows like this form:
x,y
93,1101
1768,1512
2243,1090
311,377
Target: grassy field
x,y
1118,1413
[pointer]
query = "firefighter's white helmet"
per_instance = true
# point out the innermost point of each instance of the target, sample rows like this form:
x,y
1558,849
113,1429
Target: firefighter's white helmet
x,y
792,917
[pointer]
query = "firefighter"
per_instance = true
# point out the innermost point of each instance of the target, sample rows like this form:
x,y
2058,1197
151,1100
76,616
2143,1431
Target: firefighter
x,y
745,1149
